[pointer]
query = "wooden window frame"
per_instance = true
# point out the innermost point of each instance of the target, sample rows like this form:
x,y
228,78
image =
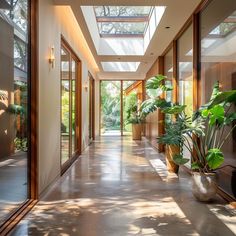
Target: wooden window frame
x,y
78,107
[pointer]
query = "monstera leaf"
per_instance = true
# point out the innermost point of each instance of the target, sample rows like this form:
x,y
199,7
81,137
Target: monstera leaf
x,y
179,159
224,97
152,104
176,109
215,158
156,82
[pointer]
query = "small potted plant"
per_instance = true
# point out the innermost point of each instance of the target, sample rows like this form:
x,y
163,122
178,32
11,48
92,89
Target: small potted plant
x,y
203,135
136,118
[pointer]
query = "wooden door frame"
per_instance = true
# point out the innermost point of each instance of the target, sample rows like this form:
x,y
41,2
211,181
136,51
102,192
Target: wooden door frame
x,y
92,104
78,107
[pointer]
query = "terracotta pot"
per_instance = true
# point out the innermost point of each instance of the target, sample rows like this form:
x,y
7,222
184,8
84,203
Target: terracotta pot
x,y
171,150
204,186
137,131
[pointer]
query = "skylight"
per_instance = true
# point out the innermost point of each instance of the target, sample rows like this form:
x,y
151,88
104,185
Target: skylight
x,y
122,21
120,66
226,27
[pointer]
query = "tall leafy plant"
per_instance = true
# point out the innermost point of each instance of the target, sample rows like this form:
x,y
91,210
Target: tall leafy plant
x,y
205,133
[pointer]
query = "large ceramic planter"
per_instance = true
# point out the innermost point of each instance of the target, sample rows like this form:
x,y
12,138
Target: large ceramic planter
x,y
137,131
204,186
171,150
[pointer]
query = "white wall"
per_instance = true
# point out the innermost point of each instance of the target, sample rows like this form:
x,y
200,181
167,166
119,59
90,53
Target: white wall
x,y
55,21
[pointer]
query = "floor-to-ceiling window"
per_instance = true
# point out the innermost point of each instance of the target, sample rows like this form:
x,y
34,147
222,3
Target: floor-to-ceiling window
x,y
70,106
168,72
14,103
218,63
185,73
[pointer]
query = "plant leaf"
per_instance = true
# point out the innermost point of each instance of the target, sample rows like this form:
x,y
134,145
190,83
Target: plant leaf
x,y
224,97
175,109
179,159
195,166
215,158
230,118
217,114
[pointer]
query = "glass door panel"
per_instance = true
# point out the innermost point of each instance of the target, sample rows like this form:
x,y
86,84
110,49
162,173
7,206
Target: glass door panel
x,y
185,75
73,105
110,107
65,105
132,95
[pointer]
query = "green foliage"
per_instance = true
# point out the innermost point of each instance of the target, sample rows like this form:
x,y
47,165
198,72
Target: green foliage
x,y
215,158
157,82
110,100
174,109
179,159
207,124
15,109
151,105
21,144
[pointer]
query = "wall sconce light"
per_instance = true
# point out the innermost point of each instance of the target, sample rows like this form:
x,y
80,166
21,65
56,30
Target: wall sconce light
x,y
52,57
86,86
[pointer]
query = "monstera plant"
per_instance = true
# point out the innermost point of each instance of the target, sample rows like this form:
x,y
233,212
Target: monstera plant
x,y
203,135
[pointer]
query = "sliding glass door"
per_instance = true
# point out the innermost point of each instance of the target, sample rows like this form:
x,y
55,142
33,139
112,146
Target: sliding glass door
x,y
70,136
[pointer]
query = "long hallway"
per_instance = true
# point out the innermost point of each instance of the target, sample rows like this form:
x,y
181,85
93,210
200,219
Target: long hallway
x,y
121,187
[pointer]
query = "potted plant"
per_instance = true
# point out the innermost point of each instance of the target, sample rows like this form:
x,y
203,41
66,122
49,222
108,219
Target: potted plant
x,y
136,118
203,135
156,87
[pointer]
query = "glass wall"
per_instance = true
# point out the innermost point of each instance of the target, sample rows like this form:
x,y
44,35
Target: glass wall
x,y
185,69
69,77
218,63
132,96
185,74
14,99
110,107
168,72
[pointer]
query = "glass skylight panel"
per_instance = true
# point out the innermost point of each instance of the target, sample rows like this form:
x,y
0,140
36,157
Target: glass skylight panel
x,y
122,28
122,20
225,27
120,66
121,11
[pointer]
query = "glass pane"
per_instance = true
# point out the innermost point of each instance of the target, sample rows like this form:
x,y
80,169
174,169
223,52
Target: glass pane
x,y
168,62
121,27
122,20
110,108
185,74
132,96
14,82
65,106
73,104
218,63
118,11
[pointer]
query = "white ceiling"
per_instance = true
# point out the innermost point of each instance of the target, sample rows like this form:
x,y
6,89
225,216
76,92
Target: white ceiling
x,y
176,14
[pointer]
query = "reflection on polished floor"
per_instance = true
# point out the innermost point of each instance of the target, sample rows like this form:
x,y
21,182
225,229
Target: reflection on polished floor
x,y
113,190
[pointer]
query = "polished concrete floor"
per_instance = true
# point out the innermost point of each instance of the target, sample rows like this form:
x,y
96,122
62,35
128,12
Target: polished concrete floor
x,y
120,187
